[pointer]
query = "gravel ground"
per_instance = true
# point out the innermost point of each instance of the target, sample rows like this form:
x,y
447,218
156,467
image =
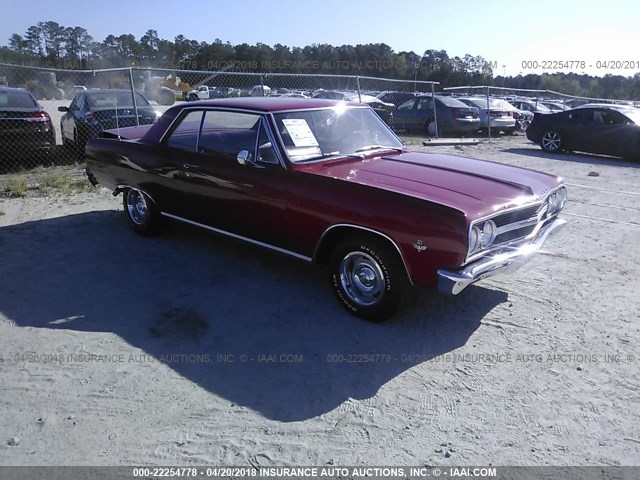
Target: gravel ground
x,y
188,348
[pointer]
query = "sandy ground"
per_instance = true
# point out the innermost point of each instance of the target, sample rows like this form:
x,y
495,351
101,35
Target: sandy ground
x,y
188,348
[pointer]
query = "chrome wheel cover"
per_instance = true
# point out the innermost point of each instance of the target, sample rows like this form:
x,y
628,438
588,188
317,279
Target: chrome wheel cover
x,y
137,207
362,279
551,141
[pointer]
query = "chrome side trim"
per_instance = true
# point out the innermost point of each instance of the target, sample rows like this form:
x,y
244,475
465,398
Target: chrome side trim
x,y
239,237
370,230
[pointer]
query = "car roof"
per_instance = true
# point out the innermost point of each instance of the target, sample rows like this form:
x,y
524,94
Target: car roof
x,y
271,104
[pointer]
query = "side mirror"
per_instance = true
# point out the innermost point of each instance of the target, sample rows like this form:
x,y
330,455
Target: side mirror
x,y
63,109
244,157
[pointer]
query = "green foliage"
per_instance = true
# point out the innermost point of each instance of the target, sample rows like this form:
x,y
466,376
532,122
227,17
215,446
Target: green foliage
x,y
52,45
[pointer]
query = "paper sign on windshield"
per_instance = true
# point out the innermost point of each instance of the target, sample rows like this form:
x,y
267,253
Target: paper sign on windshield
x,y
300,133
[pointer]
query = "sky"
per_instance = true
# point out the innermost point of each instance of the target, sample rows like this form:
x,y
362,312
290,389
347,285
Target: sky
x,y
517,36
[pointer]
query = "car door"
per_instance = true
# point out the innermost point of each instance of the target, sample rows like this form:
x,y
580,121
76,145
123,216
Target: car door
x,y
596,136
402,115
218,191
67,123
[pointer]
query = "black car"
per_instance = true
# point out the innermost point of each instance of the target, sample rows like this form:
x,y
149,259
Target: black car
x,y
93,111
453,116
25,128
608,130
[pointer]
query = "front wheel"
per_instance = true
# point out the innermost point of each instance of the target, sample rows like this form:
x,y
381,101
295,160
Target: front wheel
x,y
142,214
368,278
551,142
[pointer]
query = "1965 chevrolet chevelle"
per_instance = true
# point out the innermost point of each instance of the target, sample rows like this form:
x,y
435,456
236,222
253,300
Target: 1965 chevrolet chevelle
x,y
328,182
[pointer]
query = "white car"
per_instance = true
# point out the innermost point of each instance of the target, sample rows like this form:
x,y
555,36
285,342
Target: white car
x,y
497,116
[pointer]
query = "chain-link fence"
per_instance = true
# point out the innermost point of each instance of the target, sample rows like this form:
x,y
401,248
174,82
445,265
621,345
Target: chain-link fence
x,y
50,122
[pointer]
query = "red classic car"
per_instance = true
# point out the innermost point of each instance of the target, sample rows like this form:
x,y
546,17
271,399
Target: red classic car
x,y
328,182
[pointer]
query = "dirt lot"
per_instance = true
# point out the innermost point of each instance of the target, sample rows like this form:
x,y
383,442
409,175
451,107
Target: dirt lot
x,y
189,348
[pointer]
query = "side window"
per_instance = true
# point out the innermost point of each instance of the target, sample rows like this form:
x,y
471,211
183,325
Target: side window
x,y
424,104
577,117
74,104
185,135
408,105
226,133
613,118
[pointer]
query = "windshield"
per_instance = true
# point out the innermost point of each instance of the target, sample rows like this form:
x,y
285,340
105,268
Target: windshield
x,y
314,134
109,99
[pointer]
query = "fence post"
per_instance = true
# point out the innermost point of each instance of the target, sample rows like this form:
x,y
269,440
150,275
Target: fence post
x,y
488,115
358,87
435,113
262,85
133,97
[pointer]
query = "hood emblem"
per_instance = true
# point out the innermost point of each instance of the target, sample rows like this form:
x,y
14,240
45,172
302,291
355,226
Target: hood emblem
x,y
419,245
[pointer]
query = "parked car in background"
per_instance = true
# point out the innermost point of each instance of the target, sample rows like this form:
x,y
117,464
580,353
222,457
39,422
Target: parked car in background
x,y
396,97
532,106
554,106
205,92
260,91
384,109
494,117
93,111
328,182
25,127
522,117
608,130
454,117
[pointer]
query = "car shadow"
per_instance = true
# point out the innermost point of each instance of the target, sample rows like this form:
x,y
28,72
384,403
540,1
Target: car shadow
x,y
589,158
256,328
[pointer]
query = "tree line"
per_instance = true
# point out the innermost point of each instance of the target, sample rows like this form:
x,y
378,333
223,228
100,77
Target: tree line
x,y
49,44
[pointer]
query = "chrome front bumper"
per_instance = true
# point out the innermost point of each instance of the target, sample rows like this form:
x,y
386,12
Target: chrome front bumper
x,y
453,282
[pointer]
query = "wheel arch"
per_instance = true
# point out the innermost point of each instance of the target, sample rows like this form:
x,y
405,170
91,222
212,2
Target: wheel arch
x,y
121,187
335,233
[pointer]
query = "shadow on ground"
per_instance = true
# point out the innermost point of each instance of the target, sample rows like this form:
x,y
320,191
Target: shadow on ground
x,y
586,158
188,292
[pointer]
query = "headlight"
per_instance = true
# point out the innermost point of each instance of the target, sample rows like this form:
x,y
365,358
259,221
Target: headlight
x,y
488,234
474,238
557,200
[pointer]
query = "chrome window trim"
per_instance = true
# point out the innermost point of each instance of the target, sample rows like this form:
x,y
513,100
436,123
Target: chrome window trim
x,y
539,222
239,237
370,230
205,108
274,145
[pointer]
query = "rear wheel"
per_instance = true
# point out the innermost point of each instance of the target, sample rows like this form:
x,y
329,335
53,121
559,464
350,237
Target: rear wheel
x,y
367,277
430,128
142,214
551,141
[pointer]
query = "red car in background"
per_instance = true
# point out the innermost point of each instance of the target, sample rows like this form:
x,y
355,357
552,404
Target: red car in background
x,y
328,182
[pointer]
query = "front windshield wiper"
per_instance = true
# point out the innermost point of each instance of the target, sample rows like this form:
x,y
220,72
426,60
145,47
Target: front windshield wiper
x,y
378,147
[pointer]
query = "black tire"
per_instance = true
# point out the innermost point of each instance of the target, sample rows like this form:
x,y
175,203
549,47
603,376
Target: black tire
x,y
379,296
551,141
510,131
142,214
192,97
430,128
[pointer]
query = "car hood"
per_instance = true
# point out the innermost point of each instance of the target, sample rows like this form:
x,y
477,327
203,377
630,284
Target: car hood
x,y
477,188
